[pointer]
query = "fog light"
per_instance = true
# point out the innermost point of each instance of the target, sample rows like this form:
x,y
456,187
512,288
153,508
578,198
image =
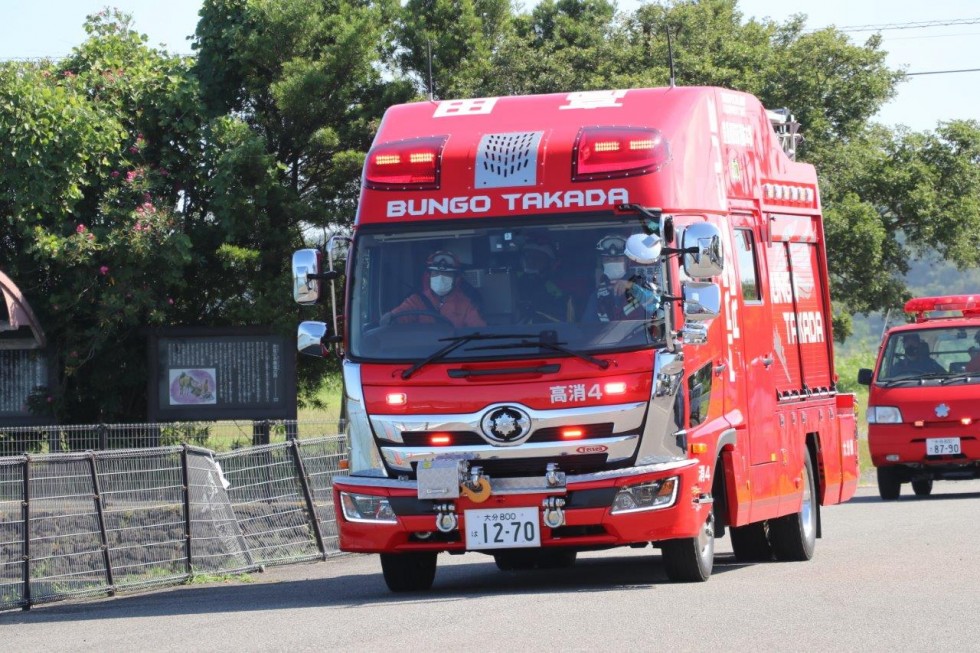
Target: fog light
x,y
651,495
892,458
367,508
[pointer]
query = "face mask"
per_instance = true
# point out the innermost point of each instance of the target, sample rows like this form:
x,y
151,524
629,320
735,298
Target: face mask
x,y
614,270
441,284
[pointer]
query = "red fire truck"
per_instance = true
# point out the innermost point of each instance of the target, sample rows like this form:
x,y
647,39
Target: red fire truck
x,y
579,321
923,397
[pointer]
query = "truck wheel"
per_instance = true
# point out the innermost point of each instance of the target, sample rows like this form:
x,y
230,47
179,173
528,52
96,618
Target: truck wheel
x,y
750,543
409,572
889,483
690,560
794,537
922,487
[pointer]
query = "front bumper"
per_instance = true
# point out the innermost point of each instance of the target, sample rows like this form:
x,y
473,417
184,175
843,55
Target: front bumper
x,y
589,522
905,444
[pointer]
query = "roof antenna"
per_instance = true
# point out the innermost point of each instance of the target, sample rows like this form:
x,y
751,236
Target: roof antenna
x,y
670,57
428,43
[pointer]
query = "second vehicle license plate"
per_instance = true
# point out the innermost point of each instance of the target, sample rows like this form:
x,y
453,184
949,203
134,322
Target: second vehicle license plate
x,y
505,528
942,446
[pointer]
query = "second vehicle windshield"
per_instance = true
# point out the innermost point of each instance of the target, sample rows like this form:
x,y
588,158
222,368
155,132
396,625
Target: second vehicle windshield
x,y
536,288
941,352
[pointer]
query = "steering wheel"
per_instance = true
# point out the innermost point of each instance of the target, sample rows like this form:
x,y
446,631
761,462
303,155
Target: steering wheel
x,y
438,317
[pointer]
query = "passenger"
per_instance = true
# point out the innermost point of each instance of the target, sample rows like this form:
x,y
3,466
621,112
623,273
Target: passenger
x,y
974,363
441,294
539,296
617,297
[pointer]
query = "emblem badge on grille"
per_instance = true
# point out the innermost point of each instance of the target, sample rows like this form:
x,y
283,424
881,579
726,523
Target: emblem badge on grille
x,y
942,410
506,426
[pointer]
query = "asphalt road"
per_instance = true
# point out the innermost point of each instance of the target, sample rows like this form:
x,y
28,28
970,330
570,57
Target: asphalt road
x,y
899,576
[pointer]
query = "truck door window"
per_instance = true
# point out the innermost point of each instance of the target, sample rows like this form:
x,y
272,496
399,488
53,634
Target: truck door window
x,y
699,389
747,268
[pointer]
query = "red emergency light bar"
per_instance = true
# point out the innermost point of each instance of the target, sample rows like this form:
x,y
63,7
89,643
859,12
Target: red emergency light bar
x,y
968,305
412,164
610,152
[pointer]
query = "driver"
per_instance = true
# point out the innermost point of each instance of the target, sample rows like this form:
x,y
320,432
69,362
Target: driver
x,y
441,294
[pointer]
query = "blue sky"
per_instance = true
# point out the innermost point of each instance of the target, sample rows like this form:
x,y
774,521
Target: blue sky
x,y
52,27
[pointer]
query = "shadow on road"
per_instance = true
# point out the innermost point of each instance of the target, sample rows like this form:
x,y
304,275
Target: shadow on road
x,y
908,496
453,582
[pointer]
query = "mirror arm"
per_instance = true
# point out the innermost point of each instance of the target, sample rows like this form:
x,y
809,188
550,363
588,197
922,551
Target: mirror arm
x,y
679,250
329,275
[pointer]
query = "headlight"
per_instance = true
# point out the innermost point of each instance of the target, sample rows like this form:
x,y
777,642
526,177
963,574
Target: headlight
x,y
367,508
651,495
884,415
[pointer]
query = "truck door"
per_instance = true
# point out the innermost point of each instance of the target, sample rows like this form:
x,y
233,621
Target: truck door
x,y
754,321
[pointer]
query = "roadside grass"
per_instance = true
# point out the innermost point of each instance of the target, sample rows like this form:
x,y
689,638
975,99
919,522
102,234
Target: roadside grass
x,y
205,578
329,396
847,372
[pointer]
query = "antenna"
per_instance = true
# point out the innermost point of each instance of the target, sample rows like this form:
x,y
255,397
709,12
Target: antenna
x,y
428,44
670,57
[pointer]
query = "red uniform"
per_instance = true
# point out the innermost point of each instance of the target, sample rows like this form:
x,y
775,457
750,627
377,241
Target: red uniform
x,y
455,307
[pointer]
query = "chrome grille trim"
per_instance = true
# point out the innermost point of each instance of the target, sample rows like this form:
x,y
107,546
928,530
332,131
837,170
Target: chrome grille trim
x,y
624,417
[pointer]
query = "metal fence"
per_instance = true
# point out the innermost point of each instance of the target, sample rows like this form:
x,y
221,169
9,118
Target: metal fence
x,y
96,523
217,436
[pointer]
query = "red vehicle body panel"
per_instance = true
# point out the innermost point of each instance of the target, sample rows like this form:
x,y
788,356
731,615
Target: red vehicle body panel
x,y
773,395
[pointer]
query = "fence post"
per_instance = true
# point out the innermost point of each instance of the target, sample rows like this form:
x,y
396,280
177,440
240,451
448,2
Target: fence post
x,y
308,494
187,508
111,590
103,432
261,432
26,514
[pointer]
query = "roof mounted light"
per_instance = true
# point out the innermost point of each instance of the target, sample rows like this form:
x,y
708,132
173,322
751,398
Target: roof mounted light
x,y
967,305
611,152
412,164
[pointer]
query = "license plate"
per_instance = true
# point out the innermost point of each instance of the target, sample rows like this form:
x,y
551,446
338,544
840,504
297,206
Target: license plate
x,y
942,446
506,528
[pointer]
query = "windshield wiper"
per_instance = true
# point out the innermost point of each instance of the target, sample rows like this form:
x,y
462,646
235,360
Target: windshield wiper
x,y
960,376
917,378
454,344
542,343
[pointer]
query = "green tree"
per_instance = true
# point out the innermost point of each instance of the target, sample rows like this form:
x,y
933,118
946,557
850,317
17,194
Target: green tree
x,y
294,90
87,160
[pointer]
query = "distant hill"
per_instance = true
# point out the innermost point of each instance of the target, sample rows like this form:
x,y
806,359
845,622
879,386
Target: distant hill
x,y
927,277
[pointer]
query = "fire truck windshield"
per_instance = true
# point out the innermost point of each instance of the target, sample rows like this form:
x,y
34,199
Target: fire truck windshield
x,y
563,285
945,353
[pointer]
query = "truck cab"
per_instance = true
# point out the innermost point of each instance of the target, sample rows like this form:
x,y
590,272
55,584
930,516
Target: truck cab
x,y
924,397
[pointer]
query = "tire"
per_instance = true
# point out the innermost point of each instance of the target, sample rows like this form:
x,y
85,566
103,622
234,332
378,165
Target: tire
x,y
889,483
690,560
409,572
523,559
794,537
750,543
922,487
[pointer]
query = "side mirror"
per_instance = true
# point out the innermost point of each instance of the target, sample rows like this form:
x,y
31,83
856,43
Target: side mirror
x,y
311,338
865,376
307,264
703,257
702,301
